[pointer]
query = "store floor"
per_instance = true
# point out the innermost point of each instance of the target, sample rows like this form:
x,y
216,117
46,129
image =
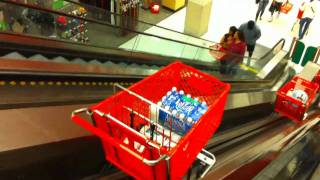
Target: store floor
x,y
165,47
226,13
112,37
147,16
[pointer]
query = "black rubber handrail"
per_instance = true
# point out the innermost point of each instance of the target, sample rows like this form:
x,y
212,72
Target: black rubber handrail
x,y
282,40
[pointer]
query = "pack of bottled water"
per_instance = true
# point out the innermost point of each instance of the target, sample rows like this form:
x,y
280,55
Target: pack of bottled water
x,y
185,111
298,94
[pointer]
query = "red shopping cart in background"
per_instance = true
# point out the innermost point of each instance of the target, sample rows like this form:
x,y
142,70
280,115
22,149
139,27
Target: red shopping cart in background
x,y
286,7
121,120
293,108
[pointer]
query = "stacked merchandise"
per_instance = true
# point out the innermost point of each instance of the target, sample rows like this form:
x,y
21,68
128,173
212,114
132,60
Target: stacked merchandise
x,y
74,29
180,113
298,94
185,111
128,11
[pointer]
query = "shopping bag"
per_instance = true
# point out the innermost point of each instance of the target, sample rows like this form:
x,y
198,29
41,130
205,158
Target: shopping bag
x,y
286,7
217,52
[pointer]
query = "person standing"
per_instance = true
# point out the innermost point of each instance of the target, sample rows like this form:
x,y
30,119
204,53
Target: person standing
x,y
252,33
275,6
229,64
308,9
227,39
261,7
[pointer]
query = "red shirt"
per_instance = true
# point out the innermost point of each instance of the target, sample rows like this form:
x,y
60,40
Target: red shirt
x,y
239,48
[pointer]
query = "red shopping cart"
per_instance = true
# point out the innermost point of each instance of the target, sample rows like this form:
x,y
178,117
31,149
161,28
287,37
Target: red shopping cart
x,y
123,122
295,108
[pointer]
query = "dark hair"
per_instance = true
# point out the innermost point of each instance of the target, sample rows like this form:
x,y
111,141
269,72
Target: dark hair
x,y
233,29
240,35
251,24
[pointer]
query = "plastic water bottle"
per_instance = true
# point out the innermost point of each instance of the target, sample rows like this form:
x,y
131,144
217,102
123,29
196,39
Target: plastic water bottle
x,y
189,120
182,116
199,111
204,107
196,101
185,106
171,98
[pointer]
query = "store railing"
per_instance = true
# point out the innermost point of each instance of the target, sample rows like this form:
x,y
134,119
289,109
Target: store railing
x,y
99,33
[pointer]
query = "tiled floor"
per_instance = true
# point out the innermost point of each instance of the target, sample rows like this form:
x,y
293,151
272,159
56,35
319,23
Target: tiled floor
x,y
225,13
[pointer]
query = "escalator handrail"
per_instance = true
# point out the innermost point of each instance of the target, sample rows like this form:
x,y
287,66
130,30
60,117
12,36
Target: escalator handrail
x,y
106,24
282,40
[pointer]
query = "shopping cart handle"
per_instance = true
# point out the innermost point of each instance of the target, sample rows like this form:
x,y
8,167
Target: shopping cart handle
x,y
98,132
210,161
154,162
82,110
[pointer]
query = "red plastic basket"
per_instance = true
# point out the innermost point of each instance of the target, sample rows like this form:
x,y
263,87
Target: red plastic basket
x,y
119,128
290,107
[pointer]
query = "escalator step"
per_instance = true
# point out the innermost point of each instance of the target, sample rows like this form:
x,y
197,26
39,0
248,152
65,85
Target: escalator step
x,y
154,67
145,66
60,59
122,64
96,62
14,55
109,64
78,61
38,57
134,65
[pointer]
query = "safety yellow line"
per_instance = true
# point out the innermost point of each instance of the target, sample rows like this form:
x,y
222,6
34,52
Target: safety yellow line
x,y
248,68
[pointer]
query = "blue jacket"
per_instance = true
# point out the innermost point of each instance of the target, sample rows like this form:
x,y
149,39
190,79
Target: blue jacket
x,y
251,36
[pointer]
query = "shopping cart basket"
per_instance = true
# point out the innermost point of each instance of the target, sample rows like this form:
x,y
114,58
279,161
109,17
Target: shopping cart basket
x,y
122,122
290,107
